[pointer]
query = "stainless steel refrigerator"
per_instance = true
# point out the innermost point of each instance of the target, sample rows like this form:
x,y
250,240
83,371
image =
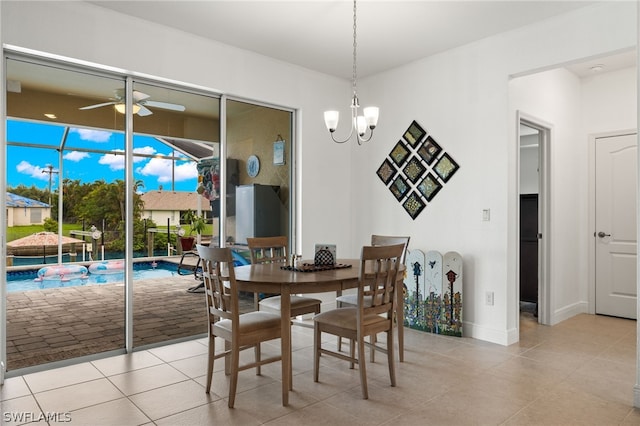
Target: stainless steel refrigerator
x,y
258,212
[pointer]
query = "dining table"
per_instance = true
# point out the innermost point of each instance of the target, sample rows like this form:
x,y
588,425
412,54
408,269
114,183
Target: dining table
x,y
277,278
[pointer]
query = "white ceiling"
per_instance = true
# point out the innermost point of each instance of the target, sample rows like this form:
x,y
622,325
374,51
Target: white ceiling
x,y
318,34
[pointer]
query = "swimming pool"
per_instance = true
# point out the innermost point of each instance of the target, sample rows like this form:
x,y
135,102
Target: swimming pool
x,y
26,280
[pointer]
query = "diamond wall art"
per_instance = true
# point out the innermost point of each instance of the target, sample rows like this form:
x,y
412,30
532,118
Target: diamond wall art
x,y
416,169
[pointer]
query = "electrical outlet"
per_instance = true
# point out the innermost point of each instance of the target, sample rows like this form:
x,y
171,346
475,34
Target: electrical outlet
x,y
489,298
486,215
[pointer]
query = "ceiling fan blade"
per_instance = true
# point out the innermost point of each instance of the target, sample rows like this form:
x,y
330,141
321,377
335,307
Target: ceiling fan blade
x,y
164,105
97,105
139,96
143,112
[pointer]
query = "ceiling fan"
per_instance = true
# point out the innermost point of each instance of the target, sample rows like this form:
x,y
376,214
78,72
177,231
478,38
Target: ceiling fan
x,y
140,103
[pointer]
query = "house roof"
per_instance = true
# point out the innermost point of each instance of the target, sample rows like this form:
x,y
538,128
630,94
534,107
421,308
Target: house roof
x,y
14,200
171,200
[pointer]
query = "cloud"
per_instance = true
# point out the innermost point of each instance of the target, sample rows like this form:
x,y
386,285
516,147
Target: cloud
x,y
161,168
93,135
36,172
146,150
116,162
76,156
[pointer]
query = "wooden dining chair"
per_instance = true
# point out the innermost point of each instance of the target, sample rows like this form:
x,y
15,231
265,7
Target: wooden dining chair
x,y
351,299
372,314
240,331
274,249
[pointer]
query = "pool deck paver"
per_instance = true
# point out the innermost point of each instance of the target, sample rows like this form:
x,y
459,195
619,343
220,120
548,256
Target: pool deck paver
x,y
61,323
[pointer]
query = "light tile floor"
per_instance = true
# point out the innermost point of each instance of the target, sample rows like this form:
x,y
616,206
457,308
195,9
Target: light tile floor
x,y
581,371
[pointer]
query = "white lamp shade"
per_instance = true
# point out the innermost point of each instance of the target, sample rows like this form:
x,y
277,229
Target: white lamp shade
x,y
121,108
371,115
361,124
331,120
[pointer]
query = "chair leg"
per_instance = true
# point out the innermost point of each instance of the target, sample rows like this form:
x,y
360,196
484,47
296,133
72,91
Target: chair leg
x,y
212,352
400,342
373,339
256,349
363,369
339,305
352,345
399,319
227,358
233,385
316,351
391,356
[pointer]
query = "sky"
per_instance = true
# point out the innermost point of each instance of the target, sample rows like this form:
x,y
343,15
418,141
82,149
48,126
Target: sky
x,y
28,165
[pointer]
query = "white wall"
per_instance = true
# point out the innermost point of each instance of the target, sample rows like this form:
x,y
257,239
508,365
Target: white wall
x,y
460,96
609,101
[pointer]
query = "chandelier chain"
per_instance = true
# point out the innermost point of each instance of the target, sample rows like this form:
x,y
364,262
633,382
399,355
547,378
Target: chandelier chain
x,y
355,44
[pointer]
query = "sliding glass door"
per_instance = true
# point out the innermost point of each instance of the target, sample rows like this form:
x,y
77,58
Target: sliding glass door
x,y
105,204
258,145
63,180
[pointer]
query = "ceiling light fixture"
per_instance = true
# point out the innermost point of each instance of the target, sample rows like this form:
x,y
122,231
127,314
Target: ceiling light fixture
x,y
597,68
121,108
50,116
358,123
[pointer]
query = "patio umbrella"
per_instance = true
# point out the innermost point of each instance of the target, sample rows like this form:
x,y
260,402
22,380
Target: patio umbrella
x,y
42,239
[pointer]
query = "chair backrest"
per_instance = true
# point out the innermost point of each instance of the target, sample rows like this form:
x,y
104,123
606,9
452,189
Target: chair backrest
x,y
219,282
268,249
387,240
379,268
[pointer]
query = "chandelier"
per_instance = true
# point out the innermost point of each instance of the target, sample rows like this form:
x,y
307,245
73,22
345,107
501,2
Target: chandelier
x,y
359,123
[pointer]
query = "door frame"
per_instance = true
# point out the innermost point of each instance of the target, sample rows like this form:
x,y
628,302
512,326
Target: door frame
x,y
545,295
591,299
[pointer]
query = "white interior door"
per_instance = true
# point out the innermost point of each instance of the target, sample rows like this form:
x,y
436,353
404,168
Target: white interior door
x,y
615,233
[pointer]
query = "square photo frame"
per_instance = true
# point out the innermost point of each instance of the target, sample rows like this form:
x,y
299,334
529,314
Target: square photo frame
x,y
399,153
414,205
399,187
429,150
414,134
414,169
386,171
446,167
429,187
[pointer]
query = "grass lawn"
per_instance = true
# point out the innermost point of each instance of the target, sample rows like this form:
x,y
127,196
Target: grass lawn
x,y
15,232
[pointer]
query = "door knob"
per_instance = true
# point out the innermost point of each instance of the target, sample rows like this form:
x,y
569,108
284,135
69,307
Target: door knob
x,y
602,234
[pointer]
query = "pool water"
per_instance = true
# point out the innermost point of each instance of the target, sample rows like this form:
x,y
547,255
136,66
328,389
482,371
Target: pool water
x,y
25,280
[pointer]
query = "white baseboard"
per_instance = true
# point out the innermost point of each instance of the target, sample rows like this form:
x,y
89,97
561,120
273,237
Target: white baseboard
x,y
500,337
569,311
511,336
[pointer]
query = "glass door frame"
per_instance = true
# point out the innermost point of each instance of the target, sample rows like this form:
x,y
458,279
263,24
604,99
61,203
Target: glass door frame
x,y
129,78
